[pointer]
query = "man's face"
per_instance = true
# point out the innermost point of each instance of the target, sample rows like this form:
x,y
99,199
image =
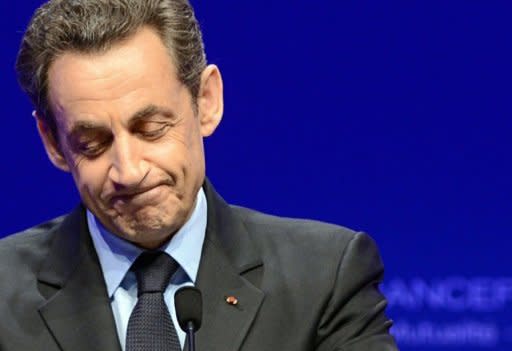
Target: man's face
x,y
129,135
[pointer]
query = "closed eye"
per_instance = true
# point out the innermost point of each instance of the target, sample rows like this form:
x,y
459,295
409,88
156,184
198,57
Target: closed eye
x,y
92,149
90,142
152,130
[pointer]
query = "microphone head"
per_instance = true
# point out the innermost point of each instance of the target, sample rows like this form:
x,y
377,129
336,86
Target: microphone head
x,y
189,307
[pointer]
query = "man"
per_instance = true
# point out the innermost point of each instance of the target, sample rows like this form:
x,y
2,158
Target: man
x,y
123,99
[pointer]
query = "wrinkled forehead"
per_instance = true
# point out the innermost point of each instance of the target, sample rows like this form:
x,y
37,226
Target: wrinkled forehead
x,y
137,72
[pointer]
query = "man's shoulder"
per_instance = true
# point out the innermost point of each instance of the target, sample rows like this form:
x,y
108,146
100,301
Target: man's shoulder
x,y
300,250
294,231
30,241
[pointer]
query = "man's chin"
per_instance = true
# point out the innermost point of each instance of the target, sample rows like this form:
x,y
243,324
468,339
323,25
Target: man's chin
x,y
143,224
149,237
148,229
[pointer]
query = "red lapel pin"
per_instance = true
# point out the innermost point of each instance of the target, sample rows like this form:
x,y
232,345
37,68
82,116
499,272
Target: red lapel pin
x,y
231,300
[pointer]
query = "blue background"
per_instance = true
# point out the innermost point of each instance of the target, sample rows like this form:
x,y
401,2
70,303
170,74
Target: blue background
x,y
391,117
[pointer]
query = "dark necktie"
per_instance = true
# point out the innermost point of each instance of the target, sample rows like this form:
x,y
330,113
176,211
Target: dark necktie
x,y
150,327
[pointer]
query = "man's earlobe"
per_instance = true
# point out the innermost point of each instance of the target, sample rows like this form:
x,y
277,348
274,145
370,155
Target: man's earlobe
x,y
50,144
210,100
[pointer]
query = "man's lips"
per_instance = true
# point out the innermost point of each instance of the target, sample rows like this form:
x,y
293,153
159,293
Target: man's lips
x,y
128,195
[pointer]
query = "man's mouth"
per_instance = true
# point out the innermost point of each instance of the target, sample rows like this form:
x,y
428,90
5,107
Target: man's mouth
x,y
137,197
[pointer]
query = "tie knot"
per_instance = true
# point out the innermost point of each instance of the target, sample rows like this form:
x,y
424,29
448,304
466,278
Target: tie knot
x,y
153,270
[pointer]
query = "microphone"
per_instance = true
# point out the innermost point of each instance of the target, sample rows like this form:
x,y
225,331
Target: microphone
x,y
189,310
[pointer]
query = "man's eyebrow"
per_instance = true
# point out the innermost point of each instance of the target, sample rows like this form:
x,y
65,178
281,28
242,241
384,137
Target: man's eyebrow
x,y
81,127
151,110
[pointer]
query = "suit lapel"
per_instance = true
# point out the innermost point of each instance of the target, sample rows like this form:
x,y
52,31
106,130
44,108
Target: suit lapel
x,y
228,260
77,311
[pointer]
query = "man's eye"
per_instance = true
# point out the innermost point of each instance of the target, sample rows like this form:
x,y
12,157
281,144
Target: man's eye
x,y
153,133
92,149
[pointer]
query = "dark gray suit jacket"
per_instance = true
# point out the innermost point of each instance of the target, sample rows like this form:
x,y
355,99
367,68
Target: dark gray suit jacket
x,y
301,285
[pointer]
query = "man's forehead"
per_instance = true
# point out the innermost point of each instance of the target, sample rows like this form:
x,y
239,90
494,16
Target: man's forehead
x,y
143,52
135,78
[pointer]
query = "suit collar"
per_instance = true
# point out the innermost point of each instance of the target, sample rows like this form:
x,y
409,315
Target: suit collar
x,y
65,251
226,230
77,310
229,264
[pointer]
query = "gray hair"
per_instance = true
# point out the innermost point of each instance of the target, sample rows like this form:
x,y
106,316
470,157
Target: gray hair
x,y
94,26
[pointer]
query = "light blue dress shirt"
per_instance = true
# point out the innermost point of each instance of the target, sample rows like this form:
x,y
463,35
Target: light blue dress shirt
x,y
117,255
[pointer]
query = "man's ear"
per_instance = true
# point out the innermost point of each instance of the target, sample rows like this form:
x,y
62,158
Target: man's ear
x,y
210,100
50,144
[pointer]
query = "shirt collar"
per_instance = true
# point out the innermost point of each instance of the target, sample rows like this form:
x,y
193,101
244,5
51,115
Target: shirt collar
x,y
117,255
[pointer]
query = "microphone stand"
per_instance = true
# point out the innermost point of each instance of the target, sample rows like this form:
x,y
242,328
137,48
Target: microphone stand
x,y
191,337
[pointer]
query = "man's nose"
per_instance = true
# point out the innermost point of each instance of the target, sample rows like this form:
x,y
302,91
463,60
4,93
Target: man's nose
x,y
128,168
